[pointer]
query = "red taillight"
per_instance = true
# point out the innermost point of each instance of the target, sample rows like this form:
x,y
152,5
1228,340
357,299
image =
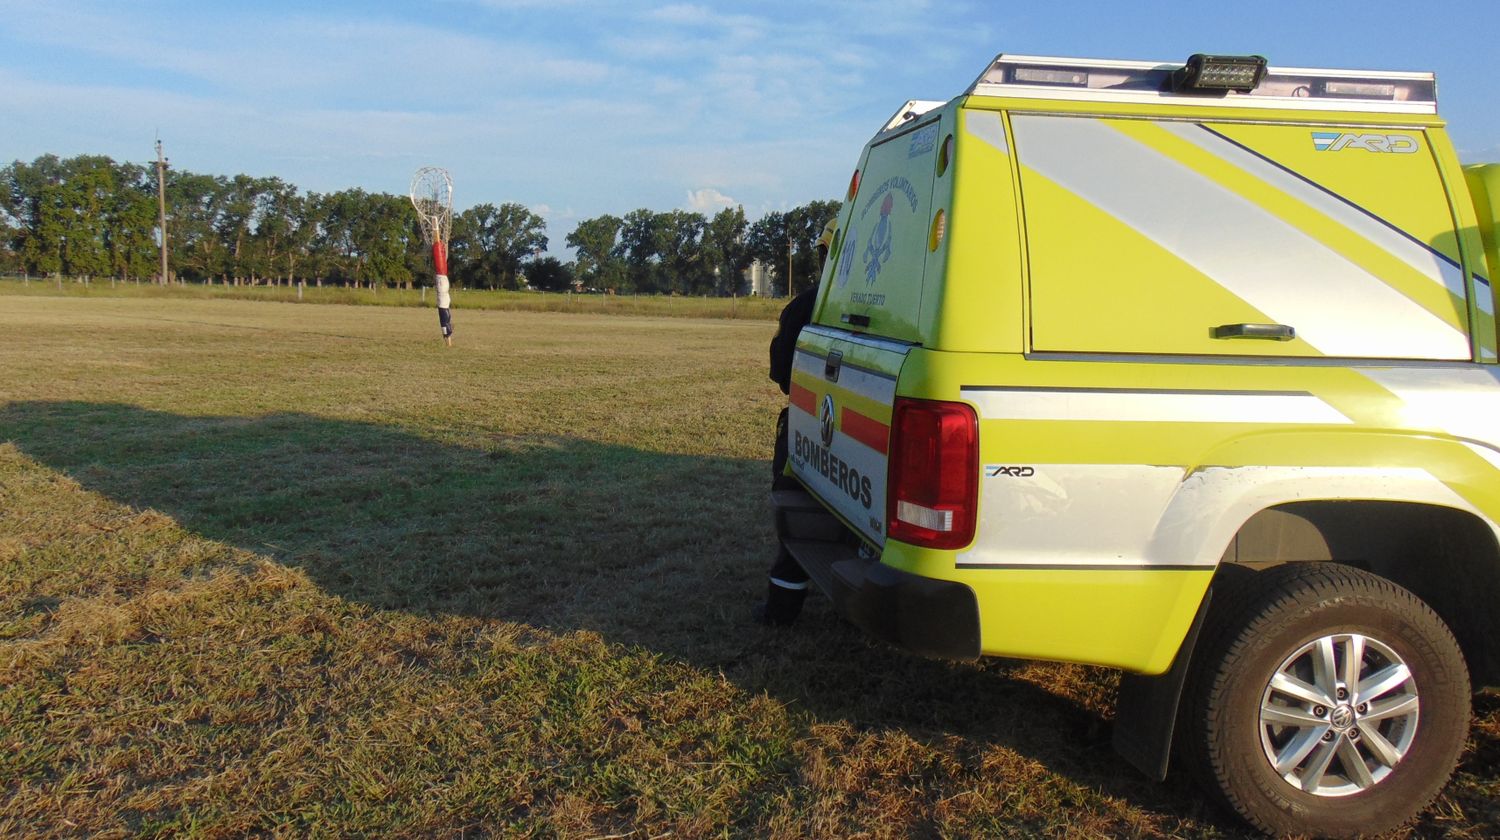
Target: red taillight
x,y
934,481
853,187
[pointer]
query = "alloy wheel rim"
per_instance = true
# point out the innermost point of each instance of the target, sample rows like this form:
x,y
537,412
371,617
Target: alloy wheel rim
x,y
1338,715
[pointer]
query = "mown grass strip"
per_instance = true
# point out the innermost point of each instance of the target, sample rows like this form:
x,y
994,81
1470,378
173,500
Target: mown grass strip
x,y
658,306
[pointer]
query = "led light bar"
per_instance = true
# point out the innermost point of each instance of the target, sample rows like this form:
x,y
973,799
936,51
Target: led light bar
x,y
1239,73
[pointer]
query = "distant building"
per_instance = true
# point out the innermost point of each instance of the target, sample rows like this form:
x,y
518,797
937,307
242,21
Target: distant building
x,y
762,279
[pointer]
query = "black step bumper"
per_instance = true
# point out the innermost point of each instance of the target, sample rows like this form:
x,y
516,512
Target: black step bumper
x,y
932,617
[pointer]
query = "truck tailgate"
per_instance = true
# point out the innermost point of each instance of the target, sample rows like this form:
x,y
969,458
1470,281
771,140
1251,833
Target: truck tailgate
x,y
843,389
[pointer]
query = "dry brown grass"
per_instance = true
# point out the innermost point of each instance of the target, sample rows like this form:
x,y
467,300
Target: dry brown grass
x,y
299,570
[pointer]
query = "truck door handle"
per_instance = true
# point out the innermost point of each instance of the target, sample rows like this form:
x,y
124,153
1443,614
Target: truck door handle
x,y
1268,332
832,365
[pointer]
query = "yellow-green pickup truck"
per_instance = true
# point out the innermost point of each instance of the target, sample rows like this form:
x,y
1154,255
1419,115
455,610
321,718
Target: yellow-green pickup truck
x,y
1187,369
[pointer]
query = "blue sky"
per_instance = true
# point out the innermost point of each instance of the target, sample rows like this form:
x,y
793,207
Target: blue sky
x,y
581,107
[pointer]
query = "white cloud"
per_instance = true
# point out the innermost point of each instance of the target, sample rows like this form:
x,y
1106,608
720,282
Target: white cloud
x,y
306,56
739,27
682,13
1472,154
708,199
507,5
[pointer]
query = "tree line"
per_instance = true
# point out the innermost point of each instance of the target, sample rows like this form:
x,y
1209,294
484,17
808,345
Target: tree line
x,y
91,217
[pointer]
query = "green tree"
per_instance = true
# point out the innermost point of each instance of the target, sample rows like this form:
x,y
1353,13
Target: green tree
x,y
82,197
194,203
336,242
365,238
637,249
594,241
724,249
419,254
281,233
130,234
383,233
10,232
10,260
33,196
233,224
310,260
491,243
684,268
549,274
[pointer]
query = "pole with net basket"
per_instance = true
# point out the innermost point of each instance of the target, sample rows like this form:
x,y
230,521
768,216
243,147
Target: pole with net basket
x,y
432,196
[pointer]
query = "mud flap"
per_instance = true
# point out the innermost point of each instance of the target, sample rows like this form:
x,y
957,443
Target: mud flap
x,y
1146,707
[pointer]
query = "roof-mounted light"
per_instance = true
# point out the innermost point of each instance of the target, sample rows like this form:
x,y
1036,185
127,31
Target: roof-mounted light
x,y
1356,90
1070,77
1241,81
1216,73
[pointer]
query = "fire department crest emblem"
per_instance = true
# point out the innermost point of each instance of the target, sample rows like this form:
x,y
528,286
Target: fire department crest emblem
x,y
825,420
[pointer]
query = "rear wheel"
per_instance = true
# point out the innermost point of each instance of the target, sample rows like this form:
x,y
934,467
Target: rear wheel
x,y
1326,701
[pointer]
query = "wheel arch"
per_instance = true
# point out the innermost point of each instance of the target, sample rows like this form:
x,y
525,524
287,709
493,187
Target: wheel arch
x,y
1446,556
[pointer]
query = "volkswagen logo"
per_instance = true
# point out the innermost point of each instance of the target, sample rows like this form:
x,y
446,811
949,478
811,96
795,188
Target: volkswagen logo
x,y
825,418
1342,718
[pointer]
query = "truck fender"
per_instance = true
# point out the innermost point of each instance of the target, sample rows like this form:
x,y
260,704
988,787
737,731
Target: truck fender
x,y
1146,706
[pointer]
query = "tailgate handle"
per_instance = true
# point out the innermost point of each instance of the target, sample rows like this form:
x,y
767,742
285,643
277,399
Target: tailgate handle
x,y
1269,332
831,367
855,320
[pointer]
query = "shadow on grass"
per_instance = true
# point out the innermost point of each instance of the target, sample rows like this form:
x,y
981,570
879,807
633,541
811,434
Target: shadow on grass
x,y
662,551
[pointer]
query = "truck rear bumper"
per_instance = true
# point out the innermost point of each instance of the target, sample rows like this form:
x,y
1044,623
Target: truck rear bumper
x,y
928,616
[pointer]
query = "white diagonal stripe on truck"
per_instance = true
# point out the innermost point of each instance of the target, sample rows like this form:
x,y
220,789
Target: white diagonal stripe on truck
x,y
1267,262
1376,231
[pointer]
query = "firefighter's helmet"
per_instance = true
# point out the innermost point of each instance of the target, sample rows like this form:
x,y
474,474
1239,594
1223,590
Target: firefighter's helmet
x,y
825,241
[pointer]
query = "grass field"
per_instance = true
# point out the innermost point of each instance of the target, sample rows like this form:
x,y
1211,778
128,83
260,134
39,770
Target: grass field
x,y
300,571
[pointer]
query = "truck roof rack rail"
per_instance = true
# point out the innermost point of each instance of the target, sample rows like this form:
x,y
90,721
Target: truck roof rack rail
x,y
1297,88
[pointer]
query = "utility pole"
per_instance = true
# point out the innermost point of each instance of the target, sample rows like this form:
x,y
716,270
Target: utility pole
x,y
161,207
788,263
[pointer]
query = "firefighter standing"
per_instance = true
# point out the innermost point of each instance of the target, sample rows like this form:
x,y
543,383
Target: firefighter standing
x,y
787,587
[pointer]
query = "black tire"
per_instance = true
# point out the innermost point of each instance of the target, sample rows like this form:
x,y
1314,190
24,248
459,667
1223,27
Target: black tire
x,y
1288,620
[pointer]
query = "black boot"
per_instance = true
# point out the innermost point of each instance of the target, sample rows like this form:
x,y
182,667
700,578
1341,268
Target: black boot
x,y
782,605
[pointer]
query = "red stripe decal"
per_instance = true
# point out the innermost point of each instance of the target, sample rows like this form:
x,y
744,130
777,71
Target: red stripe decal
x,y
804,399
871,433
